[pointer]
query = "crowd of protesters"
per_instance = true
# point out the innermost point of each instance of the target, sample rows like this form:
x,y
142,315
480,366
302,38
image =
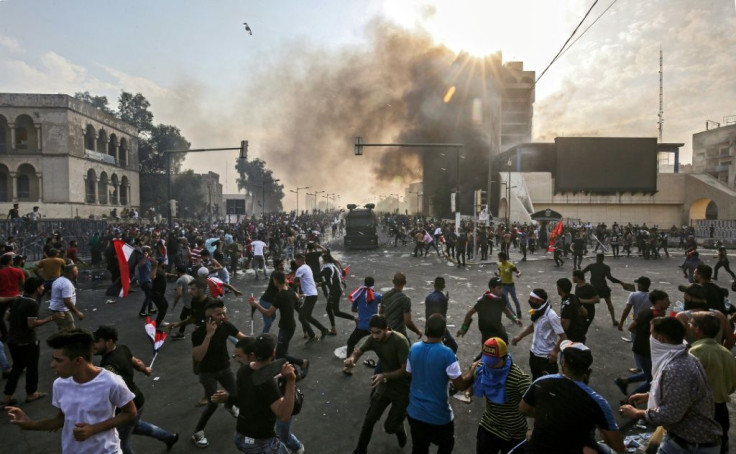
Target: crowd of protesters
x,y
412,379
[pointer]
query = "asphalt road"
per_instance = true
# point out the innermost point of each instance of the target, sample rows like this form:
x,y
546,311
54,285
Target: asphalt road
x,y
334,404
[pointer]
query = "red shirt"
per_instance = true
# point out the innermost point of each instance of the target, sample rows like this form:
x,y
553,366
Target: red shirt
x,y
10,281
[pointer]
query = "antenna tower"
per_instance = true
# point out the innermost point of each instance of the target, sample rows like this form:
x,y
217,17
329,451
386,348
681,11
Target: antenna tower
x,y
661,108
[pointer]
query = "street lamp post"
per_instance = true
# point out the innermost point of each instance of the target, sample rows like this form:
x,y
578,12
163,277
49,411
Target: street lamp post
x,y
297,196
508,195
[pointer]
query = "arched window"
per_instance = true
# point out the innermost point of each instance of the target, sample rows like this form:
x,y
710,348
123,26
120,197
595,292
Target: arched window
x,y
102,189
114,189
4,135
123,152
101,141
124,191
89,138
4,184
26,182
25,133
91,187
112,147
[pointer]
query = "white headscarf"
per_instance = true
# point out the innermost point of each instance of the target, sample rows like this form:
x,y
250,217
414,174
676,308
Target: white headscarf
x,y
662,354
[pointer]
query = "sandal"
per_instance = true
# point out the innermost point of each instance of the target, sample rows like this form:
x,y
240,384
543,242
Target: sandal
x,y
35,396
369,362
347,370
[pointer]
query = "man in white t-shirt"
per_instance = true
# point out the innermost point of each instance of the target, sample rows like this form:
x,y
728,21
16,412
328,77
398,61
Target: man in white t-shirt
x,y
305,278
259,259
64,298
86,397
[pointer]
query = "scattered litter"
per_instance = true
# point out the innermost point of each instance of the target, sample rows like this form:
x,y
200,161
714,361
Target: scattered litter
x,y
462,398
156,378
625,339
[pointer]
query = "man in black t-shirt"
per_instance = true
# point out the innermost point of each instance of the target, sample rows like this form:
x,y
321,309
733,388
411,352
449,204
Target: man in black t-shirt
x,y
259,396
599,272
587,296
566,411
200,300
572,315
490,308
22,340
285,301
119,360
209,342
578,249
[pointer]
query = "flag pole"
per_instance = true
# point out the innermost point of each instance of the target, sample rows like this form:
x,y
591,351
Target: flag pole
x,y
153,360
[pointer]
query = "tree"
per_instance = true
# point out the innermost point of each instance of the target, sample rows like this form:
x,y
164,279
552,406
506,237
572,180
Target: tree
x,y
151,150
257,180
133,109
100,102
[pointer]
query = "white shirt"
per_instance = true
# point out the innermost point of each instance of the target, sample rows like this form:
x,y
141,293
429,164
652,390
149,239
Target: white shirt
x,y
306,280
547,328
438,231
91,403
258,246
61,289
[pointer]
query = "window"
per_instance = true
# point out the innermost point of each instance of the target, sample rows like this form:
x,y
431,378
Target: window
x,y
24,187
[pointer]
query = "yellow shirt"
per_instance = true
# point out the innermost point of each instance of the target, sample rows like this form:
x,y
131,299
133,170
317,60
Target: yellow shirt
x,y
506,271
719,365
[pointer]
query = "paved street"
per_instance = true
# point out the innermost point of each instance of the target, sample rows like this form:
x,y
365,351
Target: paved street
x,y
335,404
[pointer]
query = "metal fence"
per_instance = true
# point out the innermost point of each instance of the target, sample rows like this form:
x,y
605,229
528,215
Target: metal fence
x,y
30,236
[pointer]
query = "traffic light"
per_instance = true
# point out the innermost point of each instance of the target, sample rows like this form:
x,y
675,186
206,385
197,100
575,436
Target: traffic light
x,y
172,207
358,146
244,149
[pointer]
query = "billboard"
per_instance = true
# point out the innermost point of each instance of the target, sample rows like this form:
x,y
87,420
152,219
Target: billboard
x,y
606,165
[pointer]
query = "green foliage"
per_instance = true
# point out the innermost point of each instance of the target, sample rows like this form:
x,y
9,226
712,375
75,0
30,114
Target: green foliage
x,y
100,102
259,181
151,150
133,109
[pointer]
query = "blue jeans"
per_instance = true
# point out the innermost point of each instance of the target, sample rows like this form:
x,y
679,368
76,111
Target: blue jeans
x,y
260,446
267,321
139,427
146,306
645,364
669,446
510,289
283,431
4,364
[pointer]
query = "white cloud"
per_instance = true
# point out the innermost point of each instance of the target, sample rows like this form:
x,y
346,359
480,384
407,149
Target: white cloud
x,y
10,43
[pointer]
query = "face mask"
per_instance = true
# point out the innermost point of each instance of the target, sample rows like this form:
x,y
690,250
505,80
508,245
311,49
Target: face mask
x,y
662,353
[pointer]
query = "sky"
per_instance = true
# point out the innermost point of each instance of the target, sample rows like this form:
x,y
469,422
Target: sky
x,y
206,75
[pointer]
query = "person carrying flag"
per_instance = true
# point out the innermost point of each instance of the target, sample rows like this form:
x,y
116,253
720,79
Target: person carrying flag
x,y
365,302
215,284
119,360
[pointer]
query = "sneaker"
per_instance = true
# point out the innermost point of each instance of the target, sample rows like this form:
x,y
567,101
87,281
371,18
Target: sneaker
x,y
300,450
234,411
199,439
171,441
305,369
311,340
142,314
177,336
324,333
152,310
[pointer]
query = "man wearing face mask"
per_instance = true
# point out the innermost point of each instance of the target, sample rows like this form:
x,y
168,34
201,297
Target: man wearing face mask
x,y
502,382
680,398
548,334
566,410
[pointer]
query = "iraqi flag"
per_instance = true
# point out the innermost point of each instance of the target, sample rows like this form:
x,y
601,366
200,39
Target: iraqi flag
x,y
157,337
215,285
126,255
553,237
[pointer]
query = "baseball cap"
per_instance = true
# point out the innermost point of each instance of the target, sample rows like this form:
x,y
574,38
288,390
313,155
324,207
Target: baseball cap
x,y
494,351
644,281
264,346
106,332
203,272
577,354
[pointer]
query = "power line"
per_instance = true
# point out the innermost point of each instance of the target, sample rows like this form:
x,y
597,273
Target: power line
x,y
588,28
566,41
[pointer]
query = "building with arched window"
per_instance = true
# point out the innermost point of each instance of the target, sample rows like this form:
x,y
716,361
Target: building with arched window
x,y
66,157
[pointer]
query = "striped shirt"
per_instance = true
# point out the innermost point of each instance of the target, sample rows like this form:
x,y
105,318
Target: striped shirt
x,y
504,420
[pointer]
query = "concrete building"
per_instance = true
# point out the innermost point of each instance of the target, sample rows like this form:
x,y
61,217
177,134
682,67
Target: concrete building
x,y
65,156
714,152
605,180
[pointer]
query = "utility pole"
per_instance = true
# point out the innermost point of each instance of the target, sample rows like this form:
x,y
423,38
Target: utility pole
x,y
297,196
661,90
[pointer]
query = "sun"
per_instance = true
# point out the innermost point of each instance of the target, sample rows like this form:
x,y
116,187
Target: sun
x,y
479,27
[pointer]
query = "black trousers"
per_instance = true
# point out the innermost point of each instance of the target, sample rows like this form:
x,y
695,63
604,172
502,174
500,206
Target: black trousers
x,y
25,357
423,434
305,316
721,416
394,421
540,365
333,308
355,337
487,443
162,305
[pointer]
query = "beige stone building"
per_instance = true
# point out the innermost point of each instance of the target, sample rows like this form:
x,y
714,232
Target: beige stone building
x,y
65,156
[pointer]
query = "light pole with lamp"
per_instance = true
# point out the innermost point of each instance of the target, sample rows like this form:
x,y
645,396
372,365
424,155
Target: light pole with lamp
x,y
316,194
508,195
297,196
